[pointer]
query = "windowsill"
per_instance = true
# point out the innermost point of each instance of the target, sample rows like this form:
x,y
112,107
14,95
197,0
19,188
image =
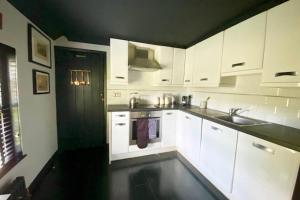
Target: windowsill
x,y
11,164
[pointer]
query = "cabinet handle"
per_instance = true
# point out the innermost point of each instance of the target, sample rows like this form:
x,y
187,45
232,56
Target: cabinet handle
x,y
187,117
121,115
216,129
120,124
169,113
120,77
263,148
278,74
165,80
238,64
187,81
204,79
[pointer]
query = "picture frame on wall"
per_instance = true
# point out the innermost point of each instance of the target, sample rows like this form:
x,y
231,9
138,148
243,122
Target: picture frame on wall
x,y
39,47
41,82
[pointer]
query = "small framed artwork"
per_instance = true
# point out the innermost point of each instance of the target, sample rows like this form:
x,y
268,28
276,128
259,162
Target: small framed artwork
x,y
39,47
41,82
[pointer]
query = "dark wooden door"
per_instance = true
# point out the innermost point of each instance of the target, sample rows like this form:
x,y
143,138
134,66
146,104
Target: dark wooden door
x,y
80,109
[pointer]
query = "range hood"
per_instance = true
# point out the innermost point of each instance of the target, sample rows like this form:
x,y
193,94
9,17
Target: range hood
x,y
142,59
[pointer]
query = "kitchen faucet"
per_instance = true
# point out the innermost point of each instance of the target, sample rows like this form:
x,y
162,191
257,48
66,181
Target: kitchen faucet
x,y
236,111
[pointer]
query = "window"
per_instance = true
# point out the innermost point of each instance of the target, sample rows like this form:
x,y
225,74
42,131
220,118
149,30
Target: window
x,y
10,140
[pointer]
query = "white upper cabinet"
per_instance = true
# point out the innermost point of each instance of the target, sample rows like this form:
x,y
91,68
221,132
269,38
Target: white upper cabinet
x,y
217,155
263,170
244,46
165,59
178,66
282,52
190,60
118,61
207,69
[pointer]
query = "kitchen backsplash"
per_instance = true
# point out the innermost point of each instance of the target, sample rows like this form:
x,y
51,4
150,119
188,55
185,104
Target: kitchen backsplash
x,y
277,105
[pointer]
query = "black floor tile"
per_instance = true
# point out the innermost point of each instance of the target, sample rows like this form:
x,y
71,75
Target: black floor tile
x,y
86,175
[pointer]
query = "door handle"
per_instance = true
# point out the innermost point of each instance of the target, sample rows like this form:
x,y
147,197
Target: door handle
x,y
216,129
187,81
120,77
278,74
164,80
120,124
204,79
238,64
263,148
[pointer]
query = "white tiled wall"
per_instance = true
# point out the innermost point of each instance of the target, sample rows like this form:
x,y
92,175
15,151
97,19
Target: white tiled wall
x,y
275,105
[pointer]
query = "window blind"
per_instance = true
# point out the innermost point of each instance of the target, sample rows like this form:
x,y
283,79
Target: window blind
x,y
9,121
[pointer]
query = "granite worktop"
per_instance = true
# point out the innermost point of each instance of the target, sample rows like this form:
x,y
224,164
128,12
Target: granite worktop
x,y
282,135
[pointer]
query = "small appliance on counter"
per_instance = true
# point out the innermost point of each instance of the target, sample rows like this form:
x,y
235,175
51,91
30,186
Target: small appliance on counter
x,y
186,100
133,100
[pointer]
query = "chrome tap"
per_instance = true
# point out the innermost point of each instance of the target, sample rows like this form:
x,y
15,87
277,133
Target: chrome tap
x,y
234,111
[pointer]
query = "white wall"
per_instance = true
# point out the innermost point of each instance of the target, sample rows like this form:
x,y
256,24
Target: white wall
x,y
37,112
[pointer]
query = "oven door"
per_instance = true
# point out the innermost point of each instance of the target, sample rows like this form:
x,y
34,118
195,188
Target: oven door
x,y
133,131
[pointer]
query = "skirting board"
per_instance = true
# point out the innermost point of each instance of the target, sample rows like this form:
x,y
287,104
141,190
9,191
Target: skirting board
x,y
142,153
43,173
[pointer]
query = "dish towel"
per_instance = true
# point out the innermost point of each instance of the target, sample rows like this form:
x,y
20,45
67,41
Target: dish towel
x,y
152,126
142,133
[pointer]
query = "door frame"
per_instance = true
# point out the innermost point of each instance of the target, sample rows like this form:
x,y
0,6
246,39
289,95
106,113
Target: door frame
x,y
104,77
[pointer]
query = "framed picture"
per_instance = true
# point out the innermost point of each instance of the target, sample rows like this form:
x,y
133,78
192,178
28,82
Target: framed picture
x,y
39,47
41,82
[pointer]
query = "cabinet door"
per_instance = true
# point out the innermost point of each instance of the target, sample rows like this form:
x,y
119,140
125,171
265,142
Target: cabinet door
x,y
264,170
120,136
189,65
282,51
244,45
207,69
217,155
118,61
165,59
168,129
178,66
194,140
180,131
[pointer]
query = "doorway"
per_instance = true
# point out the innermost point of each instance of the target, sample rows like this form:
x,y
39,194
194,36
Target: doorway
x,y
80,78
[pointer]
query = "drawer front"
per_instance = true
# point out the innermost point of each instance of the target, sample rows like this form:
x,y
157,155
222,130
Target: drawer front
x,y
119,116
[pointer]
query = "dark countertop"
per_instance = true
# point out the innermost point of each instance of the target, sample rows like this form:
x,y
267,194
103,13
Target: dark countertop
x,y
282,135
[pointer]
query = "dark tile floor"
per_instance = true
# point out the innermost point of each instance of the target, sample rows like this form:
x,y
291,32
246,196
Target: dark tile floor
x,y
86,175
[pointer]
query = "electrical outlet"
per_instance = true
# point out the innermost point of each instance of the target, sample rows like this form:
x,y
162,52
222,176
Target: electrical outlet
x,y
117,94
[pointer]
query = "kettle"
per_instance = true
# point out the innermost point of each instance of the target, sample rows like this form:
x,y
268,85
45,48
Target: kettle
x,y
132,102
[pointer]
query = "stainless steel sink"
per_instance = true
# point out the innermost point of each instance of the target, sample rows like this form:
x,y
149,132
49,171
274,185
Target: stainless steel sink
x,y
242,121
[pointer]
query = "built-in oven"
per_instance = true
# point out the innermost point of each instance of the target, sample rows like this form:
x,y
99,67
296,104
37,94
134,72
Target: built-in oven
x,y
154,117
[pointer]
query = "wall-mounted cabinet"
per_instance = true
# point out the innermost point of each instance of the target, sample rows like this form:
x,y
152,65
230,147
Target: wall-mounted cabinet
x,y
190,61
164,56
207,69
118,62
172,62
263,170
178,67
244,47
282,52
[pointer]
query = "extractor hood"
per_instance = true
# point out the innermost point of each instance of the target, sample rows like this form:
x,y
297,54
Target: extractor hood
x,y
142,59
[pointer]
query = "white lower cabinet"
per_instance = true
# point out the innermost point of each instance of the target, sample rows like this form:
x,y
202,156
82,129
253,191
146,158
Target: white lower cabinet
x,y
264,170
189,137
120,132
169,128
217,156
